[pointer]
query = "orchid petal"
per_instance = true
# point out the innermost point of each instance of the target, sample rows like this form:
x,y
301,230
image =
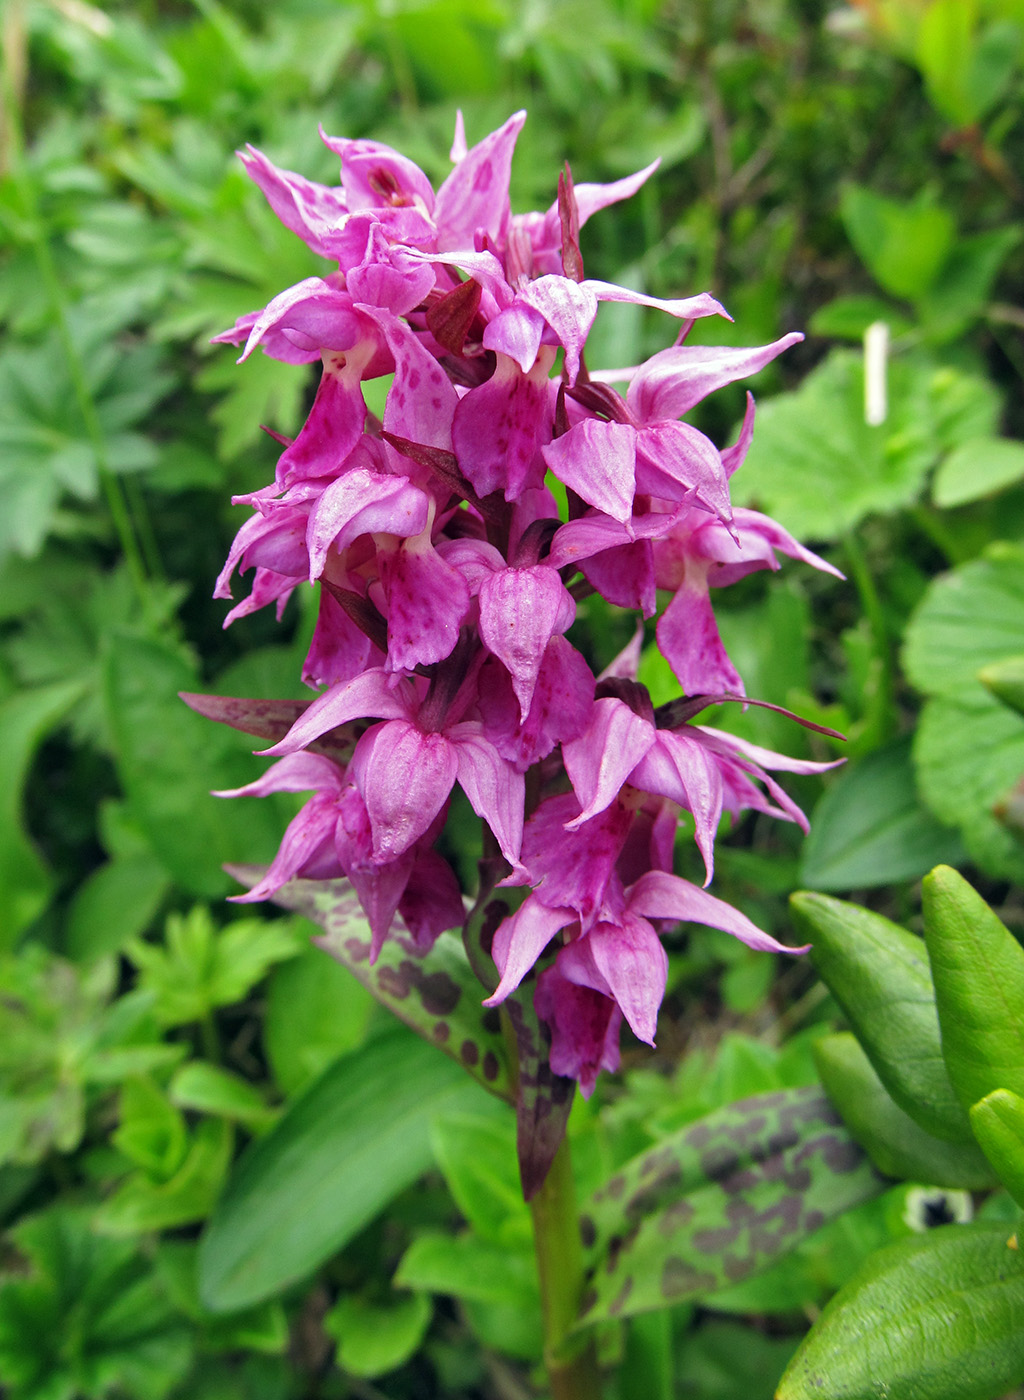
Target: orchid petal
x,y
520,940
657,895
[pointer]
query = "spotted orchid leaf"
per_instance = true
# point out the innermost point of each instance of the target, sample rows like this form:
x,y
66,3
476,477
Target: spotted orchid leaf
x,y
435,994
719,1201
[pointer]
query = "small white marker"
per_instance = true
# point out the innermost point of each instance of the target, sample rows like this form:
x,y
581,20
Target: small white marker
x,y
876,353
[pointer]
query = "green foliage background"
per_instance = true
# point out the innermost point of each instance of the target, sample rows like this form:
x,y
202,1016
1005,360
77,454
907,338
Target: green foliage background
x,y
822,167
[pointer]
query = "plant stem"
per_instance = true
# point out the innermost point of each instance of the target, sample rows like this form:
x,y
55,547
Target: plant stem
x,y
570,1361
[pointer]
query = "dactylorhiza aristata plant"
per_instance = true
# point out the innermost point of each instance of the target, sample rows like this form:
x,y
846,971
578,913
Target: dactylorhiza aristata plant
x,y
448,582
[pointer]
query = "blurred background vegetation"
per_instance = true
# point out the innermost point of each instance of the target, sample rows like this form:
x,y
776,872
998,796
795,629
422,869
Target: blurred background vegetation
x,y
823,166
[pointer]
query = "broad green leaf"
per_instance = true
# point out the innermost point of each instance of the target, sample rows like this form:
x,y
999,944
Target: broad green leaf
x,y
978,468
967,619
897,1145
25,881
467,1267
969,754
879,975
91,1317
945,54
998,1123
141,1204
316,1011
848,317
206,1088
869,468
1005,680
931,1317
358,1136
719,1201
978,967
869,828
902,244
375,1338
168,759
435,993
961,293
726,1360
114,905
477,1156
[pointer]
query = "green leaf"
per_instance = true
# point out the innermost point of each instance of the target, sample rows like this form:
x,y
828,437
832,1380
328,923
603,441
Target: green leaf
x,y
967,619
316,1012
998,1123
978,967
903,245
358,1136
477,1156
870,468
719,1201
969,753
934,1316
435,993
200,967
114,905
25,881
467,1267
1005,680
141,1204
961,294
206,1088
879,975
168,759
152,1131
869,828
978,468
90,1319
375,1338
848,317
897,1145
945,52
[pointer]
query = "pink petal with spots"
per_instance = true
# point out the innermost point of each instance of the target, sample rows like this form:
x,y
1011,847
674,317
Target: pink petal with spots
x,y
475,194
520,940
520,611
626,962
499,428
517,333
333,427
475,560
338,651
427,601
366,696
310,210
375,176
307,837
671,382
676,462
679,767
584,1028
405,776
363,502
496,791
689,640
597,460
569,309
600,761
422,399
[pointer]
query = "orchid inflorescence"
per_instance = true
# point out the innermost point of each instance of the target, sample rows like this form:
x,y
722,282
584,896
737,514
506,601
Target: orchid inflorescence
x,y
449,582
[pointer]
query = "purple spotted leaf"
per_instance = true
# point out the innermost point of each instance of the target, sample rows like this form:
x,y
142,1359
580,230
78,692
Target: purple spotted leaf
x,y
543,1098
271,719
434,993
719,1201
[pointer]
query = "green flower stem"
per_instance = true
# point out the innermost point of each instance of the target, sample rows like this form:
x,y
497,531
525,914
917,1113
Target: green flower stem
x,y
570,1361
112,490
